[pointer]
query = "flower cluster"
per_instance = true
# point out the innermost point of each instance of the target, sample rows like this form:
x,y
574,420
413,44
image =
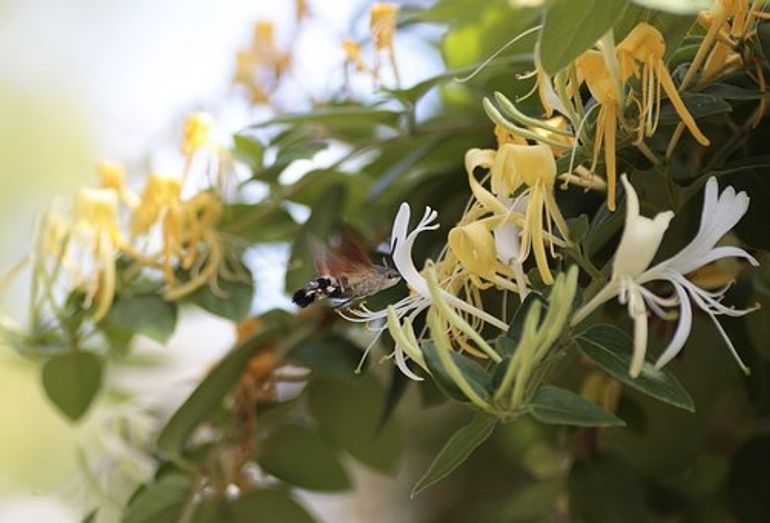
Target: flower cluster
x,y
159,229
513,220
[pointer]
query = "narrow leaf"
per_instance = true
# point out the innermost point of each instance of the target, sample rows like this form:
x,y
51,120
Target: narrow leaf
x,y
456,451
611,349
559,406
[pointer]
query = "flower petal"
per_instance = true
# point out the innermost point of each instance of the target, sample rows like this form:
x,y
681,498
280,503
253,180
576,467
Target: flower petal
x,y
682,328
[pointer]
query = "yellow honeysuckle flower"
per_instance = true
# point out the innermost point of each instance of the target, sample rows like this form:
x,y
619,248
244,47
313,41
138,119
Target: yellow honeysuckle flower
x,y
160,193
474,246
601,84
96,227
259,67
382,23
197,131
641,56
532,167
112,175
354,55
187,232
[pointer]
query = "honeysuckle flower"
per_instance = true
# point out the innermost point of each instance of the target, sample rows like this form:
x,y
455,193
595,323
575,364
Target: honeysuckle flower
x,y
160,193
112,175
641,56
638,246
382,24
602,86
531,167
354,55
261,66
197,130
96,231
401,315
187,233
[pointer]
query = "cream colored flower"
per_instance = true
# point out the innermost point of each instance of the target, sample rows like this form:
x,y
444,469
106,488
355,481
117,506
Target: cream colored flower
x,y
638,246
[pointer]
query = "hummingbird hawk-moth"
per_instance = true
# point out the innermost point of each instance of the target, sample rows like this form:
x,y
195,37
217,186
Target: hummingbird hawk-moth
x,y
346,275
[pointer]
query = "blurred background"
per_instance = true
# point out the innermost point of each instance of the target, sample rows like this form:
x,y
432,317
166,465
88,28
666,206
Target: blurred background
x,y
91,80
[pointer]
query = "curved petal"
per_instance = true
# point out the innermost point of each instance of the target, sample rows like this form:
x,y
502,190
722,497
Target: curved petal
x,y
721,212
641,236
682,328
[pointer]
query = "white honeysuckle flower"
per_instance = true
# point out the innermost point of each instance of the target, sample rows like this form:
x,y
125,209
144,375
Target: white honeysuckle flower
x,y
408,308
638,245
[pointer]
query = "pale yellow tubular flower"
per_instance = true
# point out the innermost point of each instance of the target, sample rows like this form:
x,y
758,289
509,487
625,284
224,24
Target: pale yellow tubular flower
x,y
532,167
112,175
96,224
354,55
160,193
197,132
602,87
641,56
191,239
382,23
719,14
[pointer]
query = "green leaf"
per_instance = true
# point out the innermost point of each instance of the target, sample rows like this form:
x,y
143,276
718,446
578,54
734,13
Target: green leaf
x,y
733,92
161,501
338,116
209,394
258,223
268,506
301,457
456,451
699,106
348,415
249,150
147,314
603,488
559,406
234,304
72,380
611,349
332,357
573,26
473,372
578,228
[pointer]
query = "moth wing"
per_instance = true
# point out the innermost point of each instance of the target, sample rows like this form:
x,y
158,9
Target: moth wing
x,y
322,256
351,249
